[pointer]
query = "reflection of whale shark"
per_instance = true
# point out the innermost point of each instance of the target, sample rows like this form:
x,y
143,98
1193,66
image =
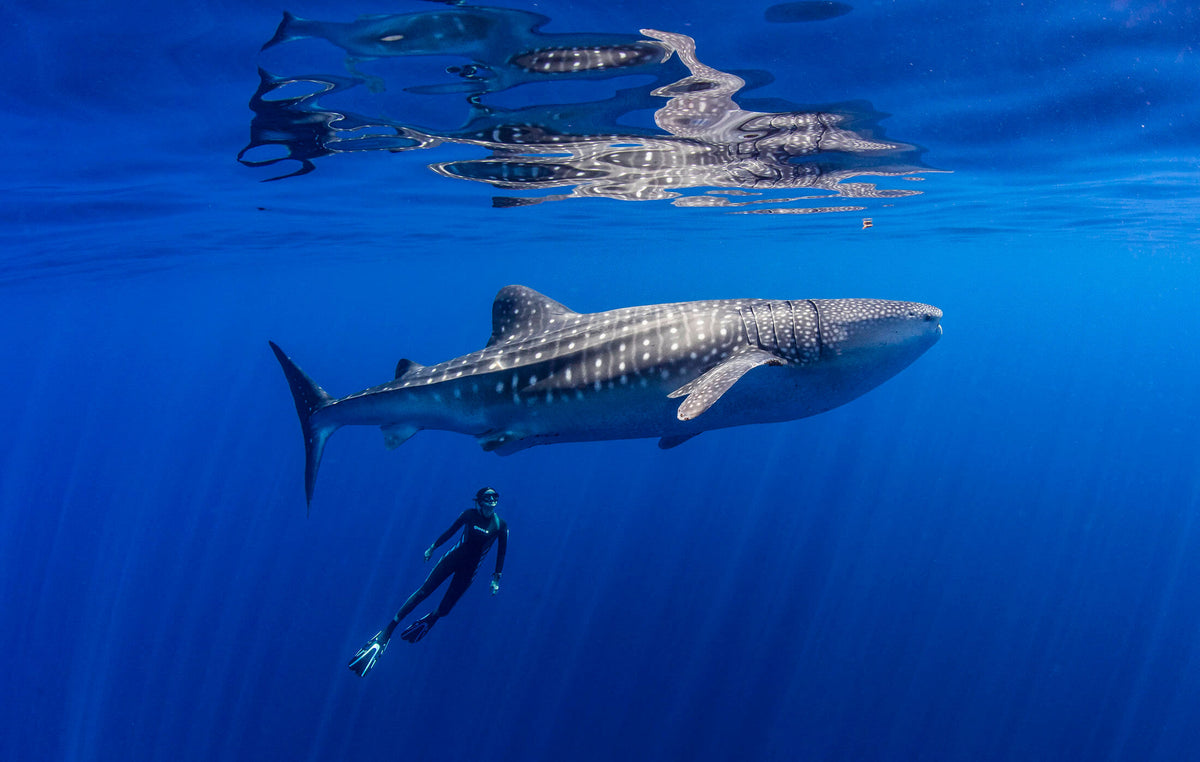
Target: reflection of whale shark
x,y
495,38
709,141
701,138
549,374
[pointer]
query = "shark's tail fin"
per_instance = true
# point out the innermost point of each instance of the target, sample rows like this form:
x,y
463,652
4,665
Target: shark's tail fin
x,y
309,399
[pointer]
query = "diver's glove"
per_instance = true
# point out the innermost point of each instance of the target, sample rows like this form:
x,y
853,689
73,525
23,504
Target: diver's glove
x,y
495,583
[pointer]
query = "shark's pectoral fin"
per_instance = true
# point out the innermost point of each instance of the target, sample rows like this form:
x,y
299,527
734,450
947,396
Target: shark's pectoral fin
x,y
666,443
702,392
396,434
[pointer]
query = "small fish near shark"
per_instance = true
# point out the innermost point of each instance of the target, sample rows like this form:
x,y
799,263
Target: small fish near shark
x,y
549,374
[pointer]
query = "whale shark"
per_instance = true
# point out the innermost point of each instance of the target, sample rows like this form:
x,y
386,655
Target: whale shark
x,y
549,374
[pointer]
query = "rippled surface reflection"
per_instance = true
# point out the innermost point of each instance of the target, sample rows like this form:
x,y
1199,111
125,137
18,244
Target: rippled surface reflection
x,y
700,147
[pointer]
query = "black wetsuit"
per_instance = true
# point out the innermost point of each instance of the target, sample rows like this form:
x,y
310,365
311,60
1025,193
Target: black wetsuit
x,y
479,532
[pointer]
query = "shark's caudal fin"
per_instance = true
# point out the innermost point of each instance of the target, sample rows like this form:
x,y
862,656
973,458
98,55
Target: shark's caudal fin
x,y
290,28
309,399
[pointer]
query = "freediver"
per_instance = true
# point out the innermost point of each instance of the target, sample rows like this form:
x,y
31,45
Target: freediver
x,y
482,527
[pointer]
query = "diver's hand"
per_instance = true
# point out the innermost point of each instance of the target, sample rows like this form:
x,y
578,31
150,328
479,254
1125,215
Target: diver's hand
x,y
495,583
429,553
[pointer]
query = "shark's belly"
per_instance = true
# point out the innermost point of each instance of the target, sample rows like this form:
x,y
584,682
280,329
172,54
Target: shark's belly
x,y
630,411
616,410
504,413
633,409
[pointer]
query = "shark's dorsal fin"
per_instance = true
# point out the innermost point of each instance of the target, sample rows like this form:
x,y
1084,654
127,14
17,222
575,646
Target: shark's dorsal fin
x,y
519,311
702,392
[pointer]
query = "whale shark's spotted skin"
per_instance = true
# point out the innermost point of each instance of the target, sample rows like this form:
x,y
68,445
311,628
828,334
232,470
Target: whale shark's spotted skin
x,y
596,58
549,374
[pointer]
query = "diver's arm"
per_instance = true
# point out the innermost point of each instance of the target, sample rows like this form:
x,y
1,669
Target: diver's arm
x,y
457,525
501,548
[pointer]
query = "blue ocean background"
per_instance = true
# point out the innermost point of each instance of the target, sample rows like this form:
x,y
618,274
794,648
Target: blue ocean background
x,y
992,556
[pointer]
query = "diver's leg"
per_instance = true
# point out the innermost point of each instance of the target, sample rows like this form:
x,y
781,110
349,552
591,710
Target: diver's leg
x,y
463,576
364,661
442,569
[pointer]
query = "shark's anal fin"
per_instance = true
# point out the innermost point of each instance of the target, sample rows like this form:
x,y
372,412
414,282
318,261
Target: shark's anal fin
x,y
666,443
505,442
396,434
702,392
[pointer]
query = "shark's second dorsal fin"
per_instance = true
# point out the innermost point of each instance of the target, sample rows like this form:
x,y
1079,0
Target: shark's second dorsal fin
x,y
406,366
519,311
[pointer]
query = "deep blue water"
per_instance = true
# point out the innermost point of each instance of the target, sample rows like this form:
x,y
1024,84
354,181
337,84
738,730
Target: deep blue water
x,y
992,556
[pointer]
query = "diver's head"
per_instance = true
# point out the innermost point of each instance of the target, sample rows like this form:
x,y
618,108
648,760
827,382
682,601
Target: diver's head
x,y
486,499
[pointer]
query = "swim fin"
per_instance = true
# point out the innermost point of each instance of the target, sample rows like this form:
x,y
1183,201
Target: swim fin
x,y
417,630
366,657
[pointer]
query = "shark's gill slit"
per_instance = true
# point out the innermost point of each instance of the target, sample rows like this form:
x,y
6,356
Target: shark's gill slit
x,y
820,338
